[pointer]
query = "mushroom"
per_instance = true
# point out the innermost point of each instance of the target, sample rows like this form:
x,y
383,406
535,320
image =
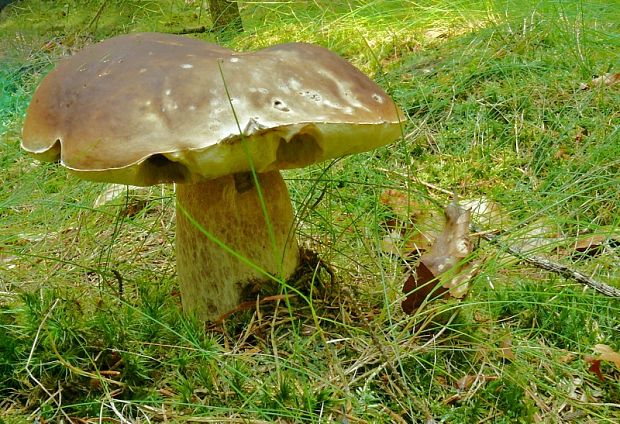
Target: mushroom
x,y
151,108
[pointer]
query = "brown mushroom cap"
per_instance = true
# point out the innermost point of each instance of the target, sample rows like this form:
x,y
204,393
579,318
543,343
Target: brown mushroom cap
x,y
146,108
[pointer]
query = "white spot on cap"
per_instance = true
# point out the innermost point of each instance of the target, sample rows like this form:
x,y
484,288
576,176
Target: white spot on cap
x,y
142,70
187,66
285,88
168,91
377,98
169,105
294,84
192,107
329,103
234,59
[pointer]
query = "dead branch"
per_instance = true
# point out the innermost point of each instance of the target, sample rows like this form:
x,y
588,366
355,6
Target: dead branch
x,y
194,30
548,265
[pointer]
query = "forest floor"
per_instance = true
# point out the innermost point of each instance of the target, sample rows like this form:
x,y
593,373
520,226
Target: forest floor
x,y
504,109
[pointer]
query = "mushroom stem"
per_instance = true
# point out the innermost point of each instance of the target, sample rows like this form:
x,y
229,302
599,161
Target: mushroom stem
x,y
213,280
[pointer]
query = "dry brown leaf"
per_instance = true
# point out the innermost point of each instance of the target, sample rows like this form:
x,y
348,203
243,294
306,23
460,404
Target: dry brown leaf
x,y
505,349
132,198
591,245
412,229
608,79
111,192
467,381
562,153
485,212
538,237
581,134
166,393
567,358
400,203
595,366
465,384
606,353
446,256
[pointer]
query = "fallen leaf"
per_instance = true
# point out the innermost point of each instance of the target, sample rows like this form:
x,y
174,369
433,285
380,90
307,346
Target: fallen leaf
x,y
608,79
606,353
505,349
562,153
481,317
466,381
120,192
537,237
485,212
166,393
419,286
591,245
422,235
400,203
581,134
392,243
567,358
413,226
595,366
445,257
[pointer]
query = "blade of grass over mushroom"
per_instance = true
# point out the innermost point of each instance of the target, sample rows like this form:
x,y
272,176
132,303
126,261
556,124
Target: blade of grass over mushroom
x,y
279,257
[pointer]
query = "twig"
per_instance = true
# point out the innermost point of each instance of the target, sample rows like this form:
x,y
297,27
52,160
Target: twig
x,y
552,266
95,20
194,30
244,306
119,279
418,181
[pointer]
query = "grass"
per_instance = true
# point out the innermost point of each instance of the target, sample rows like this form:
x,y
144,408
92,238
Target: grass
x,y
90,321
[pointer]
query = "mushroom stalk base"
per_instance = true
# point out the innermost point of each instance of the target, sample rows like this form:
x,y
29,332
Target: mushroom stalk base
x,y
214,281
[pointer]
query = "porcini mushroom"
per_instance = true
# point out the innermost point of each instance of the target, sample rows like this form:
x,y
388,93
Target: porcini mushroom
x,y
152,108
